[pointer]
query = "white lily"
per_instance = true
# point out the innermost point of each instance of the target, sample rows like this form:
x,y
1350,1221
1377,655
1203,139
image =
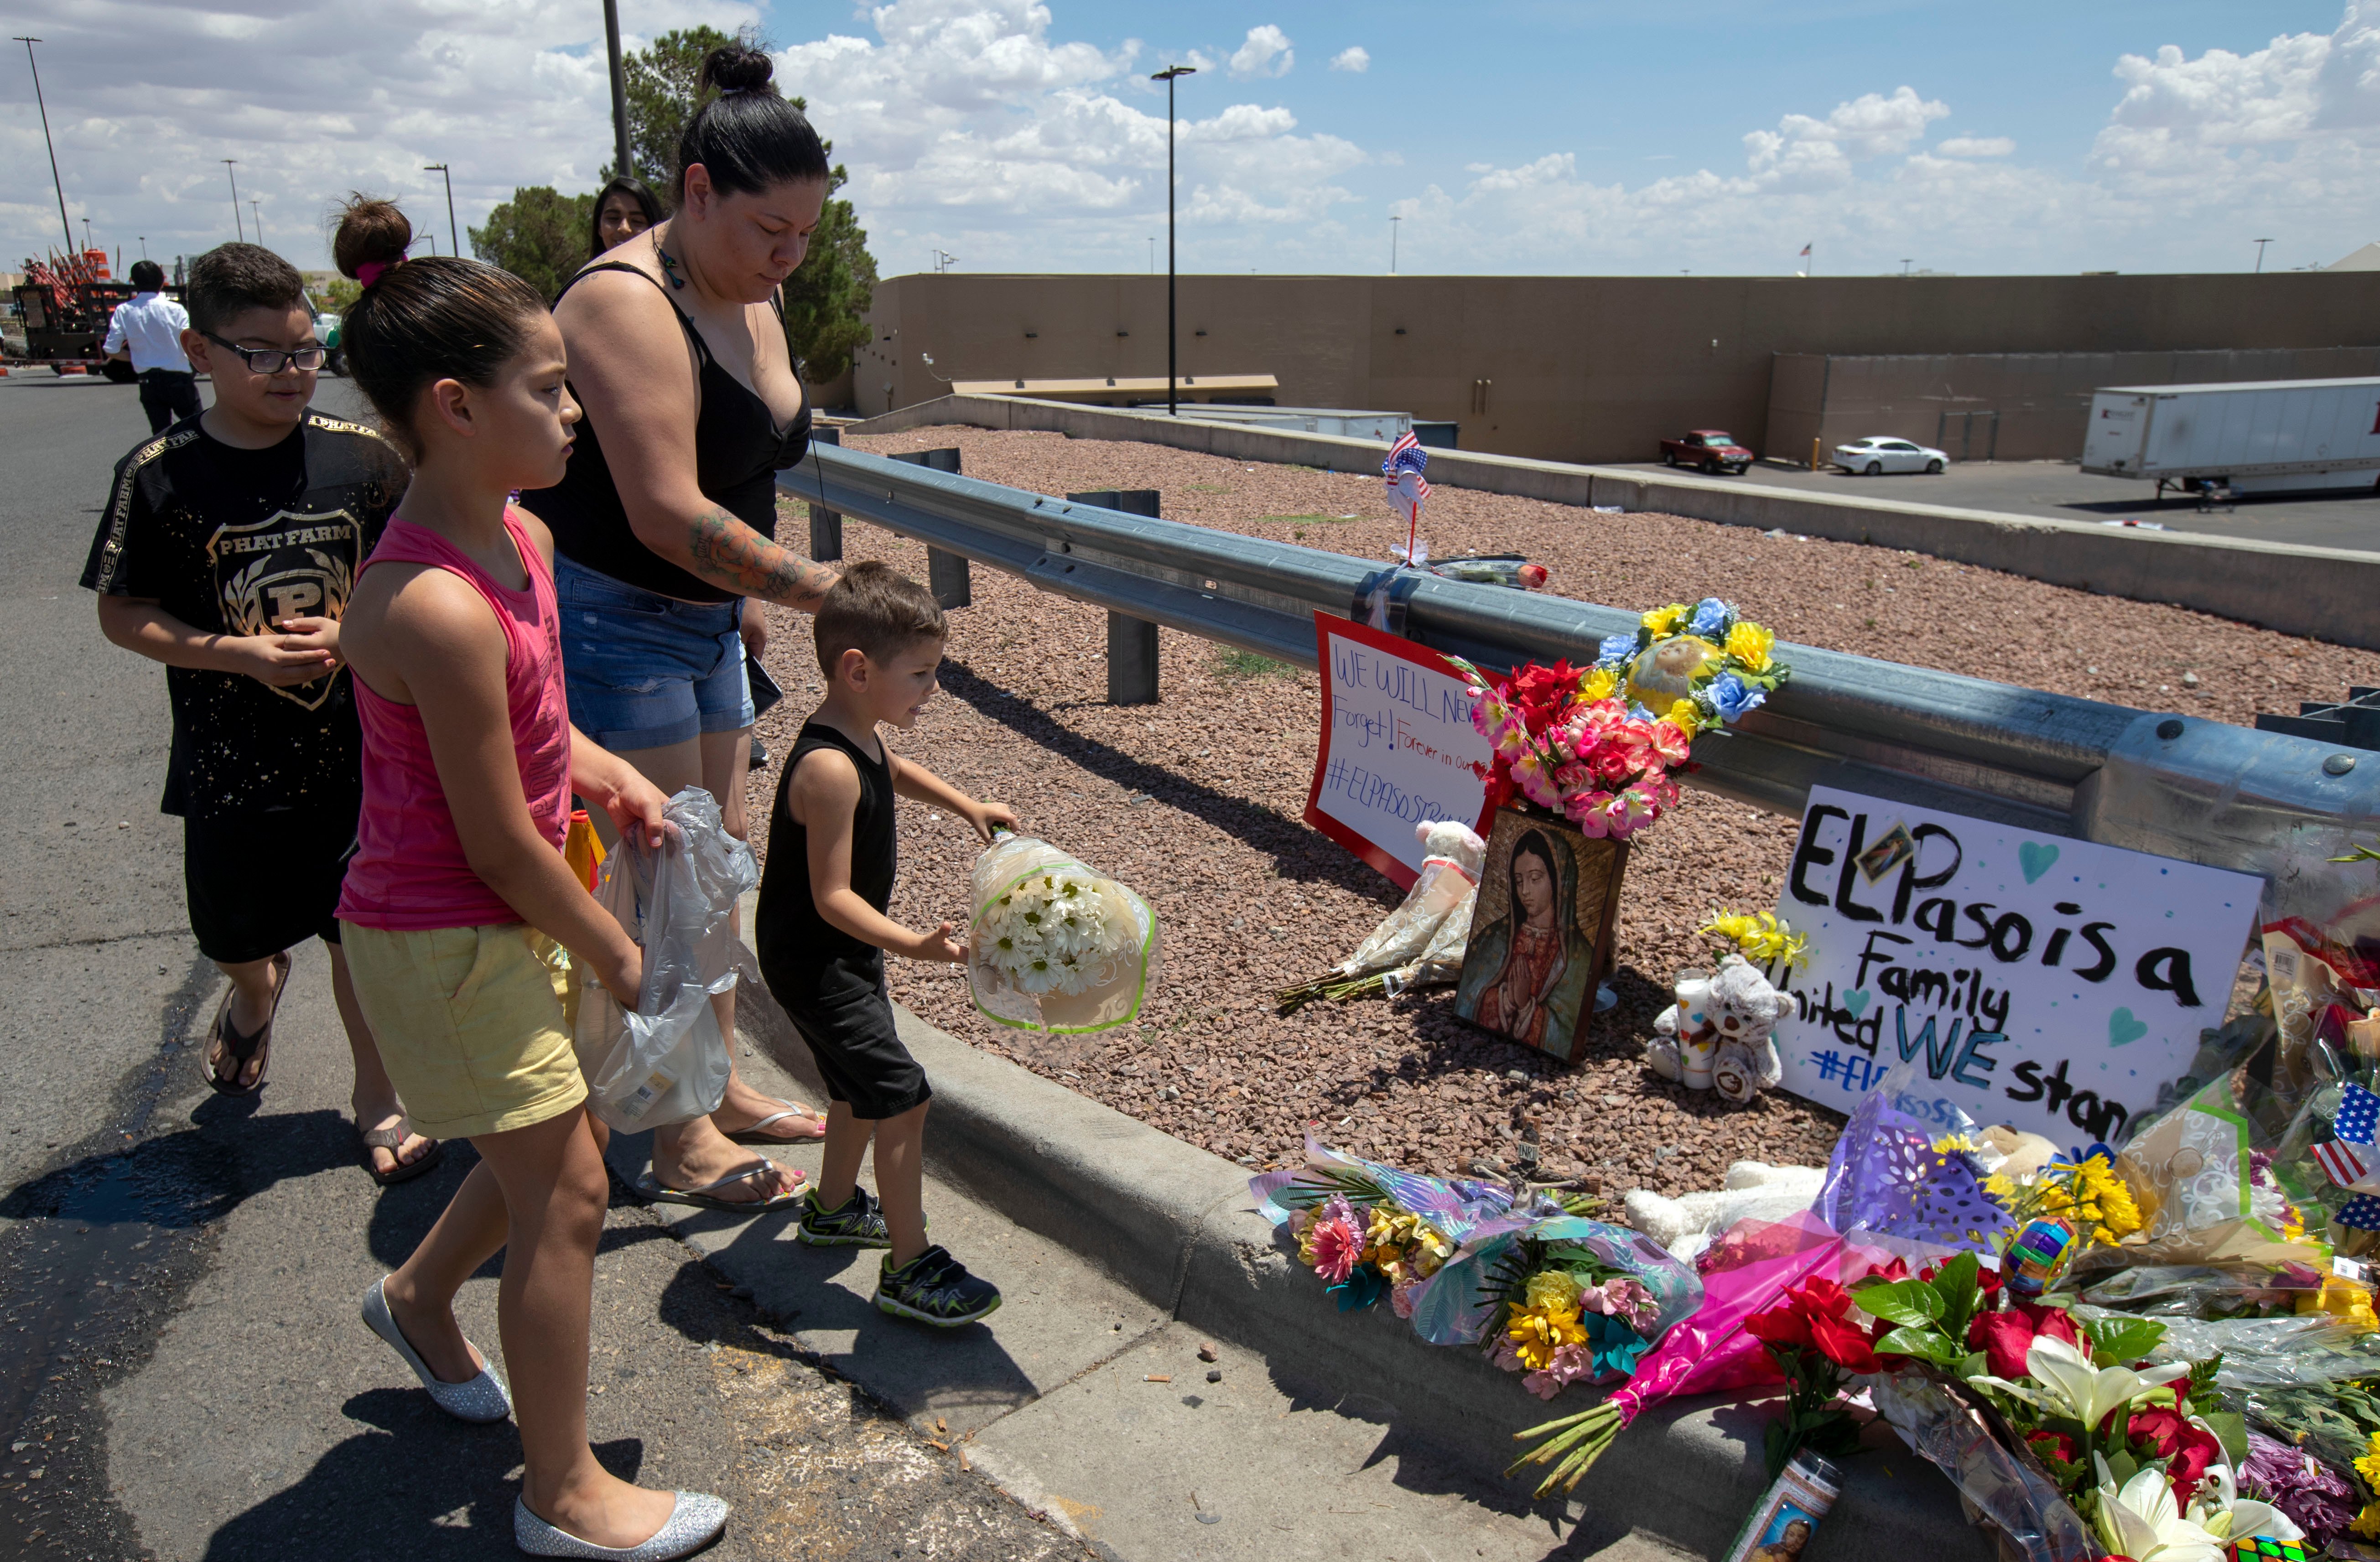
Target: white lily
x,y
2065,1383
2222,1512
2145,1523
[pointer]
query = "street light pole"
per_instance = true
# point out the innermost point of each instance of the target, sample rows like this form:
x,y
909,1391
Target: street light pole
x,y
619,92
1393,244
454,231
231,168
1172,328
54,180
2260,255
254,211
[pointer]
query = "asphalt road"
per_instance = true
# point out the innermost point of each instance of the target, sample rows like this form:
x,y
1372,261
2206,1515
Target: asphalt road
x,y
2058,489
182,1373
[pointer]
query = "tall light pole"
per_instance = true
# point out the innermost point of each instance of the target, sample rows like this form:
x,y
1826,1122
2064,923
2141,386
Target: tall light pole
x,y
86,235
619,92
258,215
2260,255
54,180
231,168
454,231
144,246
1393,244
1172,339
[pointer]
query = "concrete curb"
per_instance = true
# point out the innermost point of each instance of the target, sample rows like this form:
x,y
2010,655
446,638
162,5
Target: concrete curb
x,y
1175,1224
2319,592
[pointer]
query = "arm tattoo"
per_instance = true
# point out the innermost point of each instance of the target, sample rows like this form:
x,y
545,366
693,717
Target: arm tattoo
x,y
729,553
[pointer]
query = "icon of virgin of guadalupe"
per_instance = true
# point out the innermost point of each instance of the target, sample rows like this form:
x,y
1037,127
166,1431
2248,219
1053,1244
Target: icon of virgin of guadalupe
x,y
1527,976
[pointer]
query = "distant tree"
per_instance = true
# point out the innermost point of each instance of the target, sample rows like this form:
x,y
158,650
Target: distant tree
x,y
338,294
540,236
835,285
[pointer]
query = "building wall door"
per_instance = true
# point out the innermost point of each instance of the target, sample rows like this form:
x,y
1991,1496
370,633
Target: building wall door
x,y
1969,436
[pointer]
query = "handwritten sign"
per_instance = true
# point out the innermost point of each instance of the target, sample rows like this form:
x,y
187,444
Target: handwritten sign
x,y
1397,747
2038,981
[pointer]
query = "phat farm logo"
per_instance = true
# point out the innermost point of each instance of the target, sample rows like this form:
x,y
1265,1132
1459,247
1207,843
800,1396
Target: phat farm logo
x,y
287,566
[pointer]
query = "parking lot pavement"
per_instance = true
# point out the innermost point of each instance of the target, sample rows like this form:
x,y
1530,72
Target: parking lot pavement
x,y
2349,519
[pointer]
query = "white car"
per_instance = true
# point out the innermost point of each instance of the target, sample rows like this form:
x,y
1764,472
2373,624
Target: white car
x,y
1878,452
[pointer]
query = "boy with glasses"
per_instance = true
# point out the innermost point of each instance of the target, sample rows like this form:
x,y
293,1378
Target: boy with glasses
x,y
226,552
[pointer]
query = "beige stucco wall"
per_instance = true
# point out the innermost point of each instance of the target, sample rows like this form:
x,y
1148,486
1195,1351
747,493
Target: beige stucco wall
x,y
1567,369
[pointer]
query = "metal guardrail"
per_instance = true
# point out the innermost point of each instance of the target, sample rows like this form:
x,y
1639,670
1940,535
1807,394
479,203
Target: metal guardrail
x,y
2176,785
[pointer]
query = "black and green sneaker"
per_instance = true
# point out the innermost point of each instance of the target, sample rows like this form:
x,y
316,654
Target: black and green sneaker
x,y
934,1288
858,1223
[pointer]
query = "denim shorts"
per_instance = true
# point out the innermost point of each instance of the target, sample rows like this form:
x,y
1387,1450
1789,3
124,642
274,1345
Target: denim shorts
x,y
648,671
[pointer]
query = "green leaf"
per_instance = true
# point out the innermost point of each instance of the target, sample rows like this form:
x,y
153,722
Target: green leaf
x,y
1779,1448
1955,1284
1921,1342
1912,1303
2114,1341
2122,1466
2231,1429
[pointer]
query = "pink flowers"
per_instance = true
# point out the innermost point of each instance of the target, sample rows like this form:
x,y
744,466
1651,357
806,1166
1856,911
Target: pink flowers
x,y
1564,741
1332,1240
1572,1364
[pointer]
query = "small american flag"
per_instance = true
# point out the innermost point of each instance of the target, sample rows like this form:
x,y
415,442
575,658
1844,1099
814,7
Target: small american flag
x,y
2350,1152
1805,249
1407,489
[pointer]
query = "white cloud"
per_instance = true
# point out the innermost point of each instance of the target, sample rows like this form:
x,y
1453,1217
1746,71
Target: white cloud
x,y
1975,146
1805,151
1355,58
1265,45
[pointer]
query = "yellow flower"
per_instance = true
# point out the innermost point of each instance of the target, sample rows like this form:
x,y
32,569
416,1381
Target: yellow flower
x,y
1665,621
1763,940
1953,1141
2369,1465
1430,1251
1597,682
1536,1334
2367,1523
1750,645
2352,1302
2116,1217
1552,1288
1684,716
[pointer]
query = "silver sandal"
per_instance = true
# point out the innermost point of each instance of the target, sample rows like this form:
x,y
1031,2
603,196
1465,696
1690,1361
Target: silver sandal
x,y
697,1520
480,1400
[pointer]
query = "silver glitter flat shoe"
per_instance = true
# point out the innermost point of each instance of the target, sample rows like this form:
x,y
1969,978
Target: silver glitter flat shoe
x,y
481,1399
695,1523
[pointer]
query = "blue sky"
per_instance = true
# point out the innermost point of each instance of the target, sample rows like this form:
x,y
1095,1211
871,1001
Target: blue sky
x,y
1518,137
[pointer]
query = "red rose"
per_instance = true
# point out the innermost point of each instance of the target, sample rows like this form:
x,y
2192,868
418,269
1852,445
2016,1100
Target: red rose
x,y
1846,1347
1787,1325
2187,1449
2004,1338
2054,1445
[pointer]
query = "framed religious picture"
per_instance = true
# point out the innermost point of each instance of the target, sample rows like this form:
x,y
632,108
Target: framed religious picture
x,y
1541,933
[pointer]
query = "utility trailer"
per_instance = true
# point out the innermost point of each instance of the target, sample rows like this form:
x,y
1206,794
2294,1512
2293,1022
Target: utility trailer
x,y
2255,437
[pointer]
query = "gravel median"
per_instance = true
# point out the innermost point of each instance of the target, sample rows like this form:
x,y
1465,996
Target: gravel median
x,y
1196,802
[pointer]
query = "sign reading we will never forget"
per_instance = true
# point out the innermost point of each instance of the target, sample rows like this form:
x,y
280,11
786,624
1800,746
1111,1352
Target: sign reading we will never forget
x,y
2046,983
1397,747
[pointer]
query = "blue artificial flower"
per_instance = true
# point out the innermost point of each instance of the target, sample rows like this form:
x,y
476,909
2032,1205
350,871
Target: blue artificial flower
x,y
1640,711
1710,618
1361,1289
2076,1154
1733,696
1616,651
1614,1347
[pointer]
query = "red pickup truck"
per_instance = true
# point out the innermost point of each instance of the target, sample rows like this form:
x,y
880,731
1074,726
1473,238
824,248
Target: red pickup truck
x,y
1712,450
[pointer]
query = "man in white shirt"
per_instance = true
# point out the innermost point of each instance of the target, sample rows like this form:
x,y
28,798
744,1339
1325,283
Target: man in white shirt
x,y
148,328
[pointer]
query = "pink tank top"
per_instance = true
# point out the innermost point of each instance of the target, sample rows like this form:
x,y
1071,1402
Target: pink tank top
x,y
410,870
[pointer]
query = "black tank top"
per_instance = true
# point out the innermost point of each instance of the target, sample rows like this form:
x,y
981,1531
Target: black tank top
x,y
791,935
737,454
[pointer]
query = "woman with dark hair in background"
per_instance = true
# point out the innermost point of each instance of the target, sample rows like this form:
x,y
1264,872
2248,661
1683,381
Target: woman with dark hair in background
x,y
624,209
665,522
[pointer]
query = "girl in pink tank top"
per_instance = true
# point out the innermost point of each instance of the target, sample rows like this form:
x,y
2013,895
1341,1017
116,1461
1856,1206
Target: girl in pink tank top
x,y
458,891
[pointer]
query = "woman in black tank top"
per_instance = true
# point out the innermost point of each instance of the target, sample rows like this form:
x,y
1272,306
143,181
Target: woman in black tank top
x,y
664,524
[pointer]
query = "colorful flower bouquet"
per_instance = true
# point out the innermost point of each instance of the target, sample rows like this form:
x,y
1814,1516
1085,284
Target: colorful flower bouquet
x,y
1695,667
1542,1291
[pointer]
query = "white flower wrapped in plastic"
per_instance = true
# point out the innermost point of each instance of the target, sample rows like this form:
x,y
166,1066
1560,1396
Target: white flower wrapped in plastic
x,y
1053,945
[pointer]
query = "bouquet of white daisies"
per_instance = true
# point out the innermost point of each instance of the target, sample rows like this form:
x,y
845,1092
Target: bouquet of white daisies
x,y
1053,945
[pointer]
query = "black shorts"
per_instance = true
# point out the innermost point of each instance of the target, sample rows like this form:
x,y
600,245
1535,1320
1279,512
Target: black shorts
x,y
262,883
845,1015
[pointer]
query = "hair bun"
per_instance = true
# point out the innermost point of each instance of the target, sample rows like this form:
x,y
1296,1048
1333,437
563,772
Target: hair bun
x,y
734,68
372,231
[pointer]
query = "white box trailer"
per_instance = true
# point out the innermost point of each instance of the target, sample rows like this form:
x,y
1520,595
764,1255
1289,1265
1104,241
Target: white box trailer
x,y
2254,437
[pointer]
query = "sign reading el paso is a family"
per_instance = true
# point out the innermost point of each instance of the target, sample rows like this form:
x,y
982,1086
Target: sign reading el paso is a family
x,y
2046,983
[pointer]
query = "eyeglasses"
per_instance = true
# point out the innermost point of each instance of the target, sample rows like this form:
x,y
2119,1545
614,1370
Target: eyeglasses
x,y
272,360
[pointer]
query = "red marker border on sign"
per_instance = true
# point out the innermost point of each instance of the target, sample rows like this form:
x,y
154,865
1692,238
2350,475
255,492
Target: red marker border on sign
x,y
1325,626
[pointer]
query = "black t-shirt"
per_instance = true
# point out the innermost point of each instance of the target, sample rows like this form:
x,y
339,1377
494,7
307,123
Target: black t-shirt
x,y
228,540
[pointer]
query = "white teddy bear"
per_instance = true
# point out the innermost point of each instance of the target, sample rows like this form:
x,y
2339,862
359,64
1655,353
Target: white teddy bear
x,y
1754,1190
1717,1035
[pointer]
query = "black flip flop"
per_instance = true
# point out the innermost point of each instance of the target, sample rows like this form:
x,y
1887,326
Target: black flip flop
x,y
393,1140
244,1050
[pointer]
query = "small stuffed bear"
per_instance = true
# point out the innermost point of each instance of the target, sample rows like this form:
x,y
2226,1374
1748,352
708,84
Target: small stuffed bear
x,y
1754,1190
1746,1010
1715,1037
1454,841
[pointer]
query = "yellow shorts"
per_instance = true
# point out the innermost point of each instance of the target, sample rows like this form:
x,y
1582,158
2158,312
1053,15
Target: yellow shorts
x,y
473,1023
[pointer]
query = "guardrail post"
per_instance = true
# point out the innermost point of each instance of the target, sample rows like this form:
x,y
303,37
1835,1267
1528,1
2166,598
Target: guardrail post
x,y
946,573
826,526
1132,642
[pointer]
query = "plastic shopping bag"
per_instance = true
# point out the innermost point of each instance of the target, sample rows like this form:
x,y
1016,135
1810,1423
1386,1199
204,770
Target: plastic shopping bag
x,y
1053,946
666,1062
